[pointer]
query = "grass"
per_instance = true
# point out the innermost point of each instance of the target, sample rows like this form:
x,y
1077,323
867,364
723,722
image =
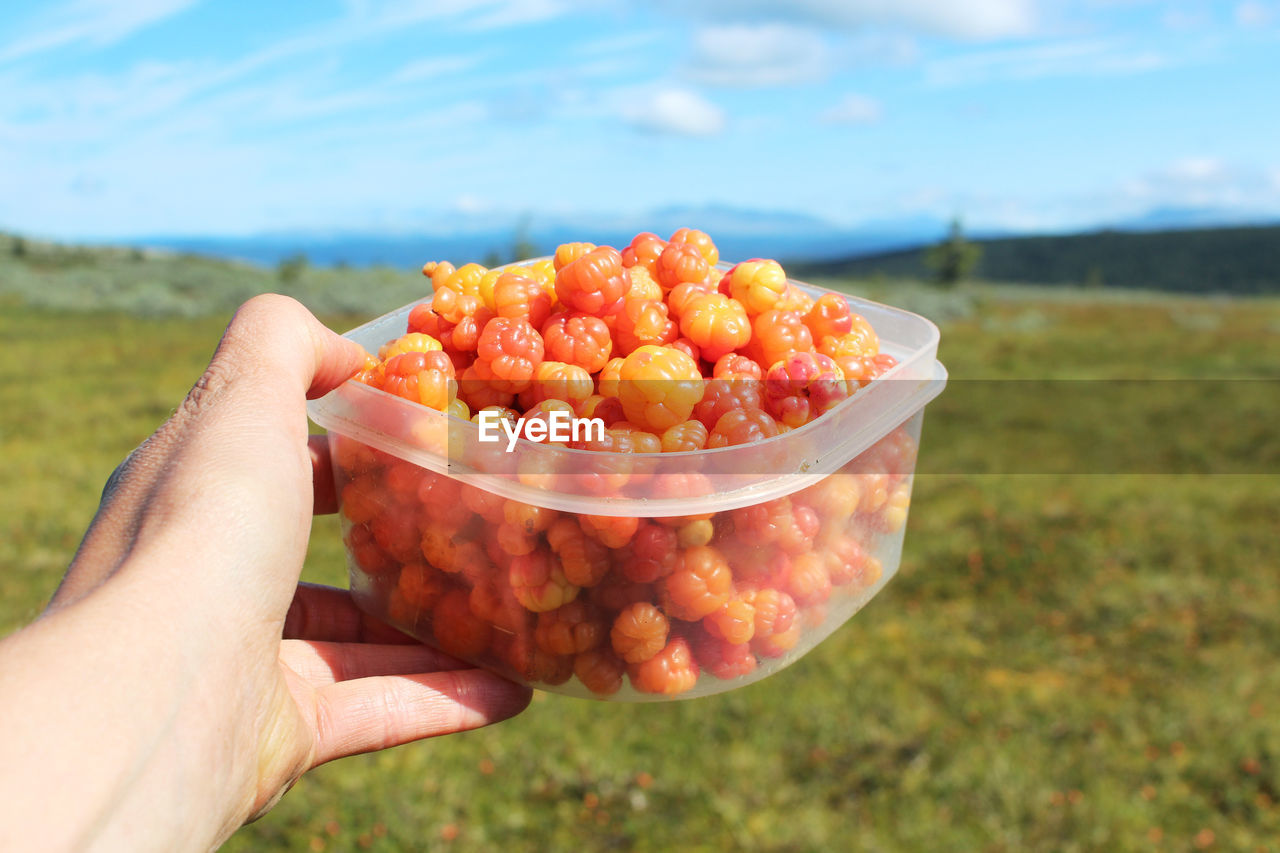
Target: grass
x,y
1064,662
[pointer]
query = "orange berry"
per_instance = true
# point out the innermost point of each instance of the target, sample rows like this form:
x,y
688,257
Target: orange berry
x,y
775,611
685,436
778,334
681,295
802,386
721,658
508,352
794,299
367,553
529,518
734,622
410,342
557,380
735,365
680,263
658,387
699,584
642,322
539,582
487,505
423,377
830,316
514,541
585,560
639,632
600,671
643,285
516,295
700,240
567,253
614,531
721,396
643,251
742,426
595,283
860,341
716,323
671,671
579,339
757,284
809,582
465,279
844,559
652,554
571,628
420,586
456,629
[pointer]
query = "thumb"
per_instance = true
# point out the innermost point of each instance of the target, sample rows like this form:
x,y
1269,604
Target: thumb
x,y
232,463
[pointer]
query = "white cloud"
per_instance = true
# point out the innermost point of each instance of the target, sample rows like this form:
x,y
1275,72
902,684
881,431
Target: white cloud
x,y
1048,59
613,44
966,19
436,66
1208,182
679,112
516,12
854,109
1196,169
750,55
1253,14
95,22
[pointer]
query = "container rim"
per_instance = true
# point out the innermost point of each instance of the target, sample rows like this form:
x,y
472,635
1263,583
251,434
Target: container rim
x,y
886,402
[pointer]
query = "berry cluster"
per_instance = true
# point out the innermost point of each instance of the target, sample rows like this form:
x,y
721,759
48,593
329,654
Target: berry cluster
x,y
634,337
674,354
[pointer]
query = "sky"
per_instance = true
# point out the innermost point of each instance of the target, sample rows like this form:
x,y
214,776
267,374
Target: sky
x,y
196,117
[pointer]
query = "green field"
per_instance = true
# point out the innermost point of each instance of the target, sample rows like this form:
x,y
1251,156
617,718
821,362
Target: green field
x,y
1064,662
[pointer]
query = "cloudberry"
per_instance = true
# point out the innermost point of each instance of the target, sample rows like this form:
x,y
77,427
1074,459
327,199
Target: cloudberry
x,y
757,284
699,584
539,582
717,324
595,283
639,632
670,672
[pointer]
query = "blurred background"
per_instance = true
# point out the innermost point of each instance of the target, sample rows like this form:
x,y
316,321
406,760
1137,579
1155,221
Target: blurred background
x,y
1073,657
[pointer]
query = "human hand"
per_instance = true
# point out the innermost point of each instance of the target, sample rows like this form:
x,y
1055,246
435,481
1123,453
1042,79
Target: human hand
x,y
218,677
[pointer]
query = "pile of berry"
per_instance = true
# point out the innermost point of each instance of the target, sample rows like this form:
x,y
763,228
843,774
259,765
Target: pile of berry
x,y
672,353
650,340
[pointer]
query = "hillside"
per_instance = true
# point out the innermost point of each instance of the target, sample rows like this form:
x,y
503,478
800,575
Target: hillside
x,y
1217,260
150,282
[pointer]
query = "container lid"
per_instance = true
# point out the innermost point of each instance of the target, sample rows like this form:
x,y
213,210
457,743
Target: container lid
x,y
645,484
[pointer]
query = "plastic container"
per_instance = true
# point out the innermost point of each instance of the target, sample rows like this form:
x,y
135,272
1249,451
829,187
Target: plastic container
x,y
810,525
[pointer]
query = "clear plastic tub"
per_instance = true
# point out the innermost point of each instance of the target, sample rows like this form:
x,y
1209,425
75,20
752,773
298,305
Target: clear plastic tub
x,y
809,524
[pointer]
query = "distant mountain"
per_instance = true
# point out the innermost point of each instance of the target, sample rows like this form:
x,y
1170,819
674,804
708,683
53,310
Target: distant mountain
x,y
1182,218
1209,260
740,234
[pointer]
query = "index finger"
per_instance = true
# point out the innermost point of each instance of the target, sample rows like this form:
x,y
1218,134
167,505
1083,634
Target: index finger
x,y
324,492
326,613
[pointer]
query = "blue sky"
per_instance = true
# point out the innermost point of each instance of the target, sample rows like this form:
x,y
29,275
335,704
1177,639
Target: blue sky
x,y
144,117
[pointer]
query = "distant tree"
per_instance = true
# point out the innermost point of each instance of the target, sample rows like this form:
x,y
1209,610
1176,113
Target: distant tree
x,y
19,247
954,259
291,268
1093,278
492,258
